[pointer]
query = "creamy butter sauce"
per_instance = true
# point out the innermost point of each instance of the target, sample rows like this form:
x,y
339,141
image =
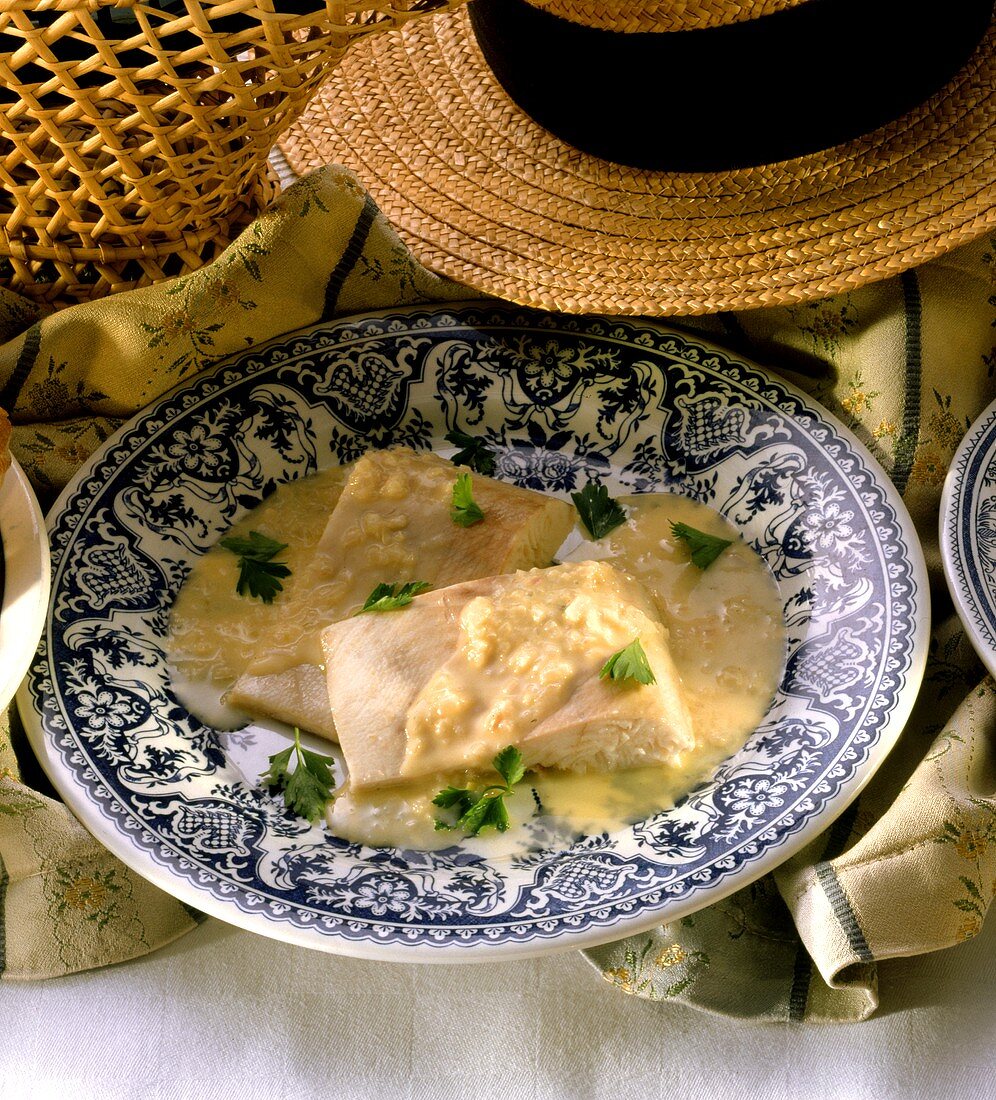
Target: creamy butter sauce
x,y
215,634
727,640
405,817
727,634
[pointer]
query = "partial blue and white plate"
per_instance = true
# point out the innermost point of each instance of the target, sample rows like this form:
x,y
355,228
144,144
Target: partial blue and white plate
x,y
562,400
968,534
24,578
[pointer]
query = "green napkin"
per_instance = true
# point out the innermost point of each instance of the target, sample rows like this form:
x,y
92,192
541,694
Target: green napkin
x,y
907,363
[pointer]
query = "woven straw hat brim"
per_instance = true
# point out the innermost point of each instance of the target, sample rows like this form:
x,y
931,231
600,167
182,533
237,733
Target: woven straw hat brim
x,y
636,16
483,194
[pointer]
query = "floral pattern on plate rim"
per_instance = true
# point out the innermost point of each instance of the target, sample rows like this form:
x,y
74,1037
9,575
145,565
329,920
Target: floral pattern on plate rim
x,y
968,534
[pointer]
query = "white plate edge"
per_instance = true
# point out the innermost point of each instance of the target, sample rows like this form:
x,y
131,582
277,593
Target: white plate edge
x,y
27,577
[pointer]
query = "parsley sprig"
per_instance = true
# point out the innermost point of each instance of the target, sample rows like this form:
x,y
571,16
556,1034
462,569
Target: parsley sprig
x,y
598,511
307,789
473,452
389,597
705,548
477,810
259,575
630,663
464,509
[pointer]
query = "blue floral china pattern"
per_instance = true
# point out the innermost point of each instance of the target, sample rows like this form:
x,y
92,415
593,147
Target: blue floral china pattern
x,y
968,534
561,400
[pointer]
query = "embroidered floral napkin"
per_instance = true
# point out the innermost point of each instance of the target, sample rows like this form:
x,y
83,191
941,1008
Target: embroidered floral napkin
x,y
907,363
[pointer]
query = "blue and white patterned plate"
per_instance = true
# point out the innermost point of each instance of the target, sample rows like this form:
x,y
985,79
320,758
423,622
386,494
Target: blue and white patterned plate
x,y
968,534
562,400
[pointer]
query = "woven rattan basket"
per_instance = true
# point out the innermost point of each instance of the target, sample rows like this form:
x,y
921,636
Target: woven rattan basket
x,y
135,135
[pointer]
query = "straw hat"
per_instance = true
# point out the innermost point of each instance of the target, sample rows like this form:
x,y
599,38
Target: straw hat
x,y
784,150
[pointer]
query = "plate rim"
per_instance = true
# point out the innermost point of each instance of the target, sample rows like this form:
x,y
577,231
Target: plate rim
x,y
144,859
27,572
954,496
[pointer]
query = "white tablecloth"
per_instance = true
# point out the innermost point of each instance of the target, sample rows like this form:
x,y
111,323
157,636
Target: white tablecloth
x,y
223,1013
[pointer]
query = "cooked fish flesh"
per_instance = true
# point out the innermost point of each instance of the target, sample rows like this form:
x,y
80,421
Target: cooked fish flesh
x,y
297,696
392,525
446,683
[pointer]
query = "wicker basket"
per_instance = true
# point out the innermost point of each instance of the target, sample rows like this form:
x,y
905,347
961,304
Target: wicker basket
x,y
135,135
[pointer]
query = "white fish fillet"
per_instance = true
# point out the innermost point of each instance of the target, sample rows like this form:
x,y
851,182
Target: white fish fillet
x,y
297,697
446,683
392,525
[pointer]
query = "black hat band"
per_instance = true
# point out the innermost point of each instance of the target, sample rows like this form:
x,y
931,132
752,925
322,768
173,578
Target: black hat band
x,y
767,89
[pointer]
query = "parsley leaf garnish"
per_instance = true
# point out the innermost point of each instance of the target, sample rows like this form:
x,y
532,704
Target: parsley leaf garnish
x,y
508,764
389,597
477,810
464,509
630,663
474,453
258,574
705,548
598,511
308,788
